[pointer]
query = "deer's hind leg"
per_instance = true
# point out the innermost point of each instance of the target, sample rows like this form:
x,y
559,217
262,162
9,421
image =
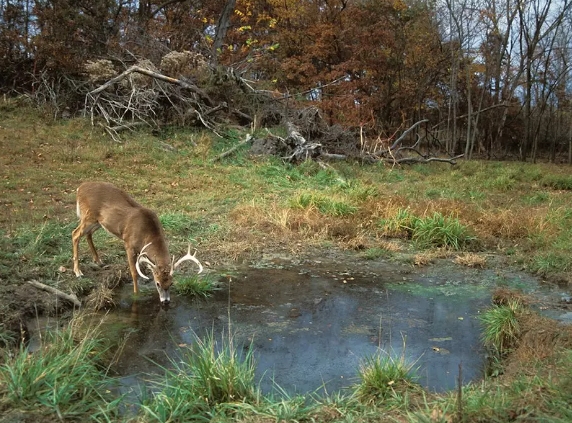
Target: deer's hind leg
x,y
87,229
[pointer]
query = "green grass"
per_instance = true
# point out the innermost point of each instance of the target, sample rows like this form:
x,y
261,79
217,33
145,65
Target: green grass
x,y
375,253
323,204
435,230
546,263
501,327
64,377
557,182
209,374
384,378
441,231
201,286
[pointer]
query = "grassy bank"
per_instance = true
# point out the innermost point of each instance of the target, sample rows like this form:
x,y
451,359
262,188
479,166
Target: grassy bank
x,y
238,207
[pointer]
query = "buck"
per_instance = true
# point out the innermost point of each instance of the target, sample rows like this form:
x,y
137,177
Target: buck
x,y
103,205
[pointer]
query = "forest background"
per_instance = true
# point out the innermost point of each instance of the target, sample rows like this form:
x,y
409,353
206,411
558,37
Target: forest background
x,y
491,77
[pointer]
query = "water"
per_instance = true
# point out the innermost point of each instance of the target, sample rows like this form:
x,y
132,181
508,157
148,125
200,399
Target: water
x,y
310,328
312,322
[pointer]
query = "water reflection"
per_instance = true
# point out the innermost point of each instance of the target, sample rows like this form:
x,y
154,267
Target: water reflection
x,y
310,330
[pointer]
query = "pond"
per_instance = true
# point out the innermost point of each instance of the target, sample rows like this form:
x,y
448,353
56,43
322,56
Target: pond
x,y
311,322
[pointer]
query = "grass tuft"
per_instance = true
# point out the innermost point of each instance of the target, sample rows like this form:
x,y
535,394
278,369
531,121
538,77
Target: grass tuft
x,y
384,378
64,376
558,182
431,231
501,328
201,286
323,204
208,376
441,231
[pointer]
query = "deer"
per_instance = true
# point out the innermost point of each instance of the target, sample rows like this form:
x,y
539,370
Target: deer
x,y
103,205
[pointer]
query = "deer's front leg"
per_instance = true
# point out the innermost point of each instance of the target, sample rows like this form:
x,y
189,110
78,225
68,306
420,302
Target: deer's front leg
x,y
132,258
92,248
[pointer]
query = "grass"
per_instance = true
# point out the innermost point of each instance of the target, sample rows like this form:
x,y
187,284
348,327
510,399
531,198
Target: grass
x,y
201,286
501,332
441,231
324,204
434,230
63,378
208,375
237,209
384,379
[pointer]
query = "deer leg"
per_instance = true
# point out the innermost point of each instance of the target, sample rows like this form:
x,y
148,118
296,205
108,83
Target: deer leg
x,y
87,229
94,254
132,258
76,235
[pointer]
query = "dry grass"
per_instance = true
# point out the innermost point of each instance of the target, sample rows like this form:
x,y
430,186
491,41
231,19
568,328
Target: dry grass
x,y
471,260
540,344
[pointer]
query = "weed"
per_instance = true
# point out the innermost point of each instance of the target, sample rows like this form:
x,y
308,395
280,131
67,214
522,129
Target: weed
x,y
545,263
501,327
64,376
374,253
401,223
558,182
195,285
207,375
6,337
324,205
441,231
536,198
503,183
383,378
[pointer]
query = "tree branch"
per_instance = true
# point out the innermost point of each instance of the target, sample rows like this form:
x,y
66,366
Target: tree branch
x,y
70,297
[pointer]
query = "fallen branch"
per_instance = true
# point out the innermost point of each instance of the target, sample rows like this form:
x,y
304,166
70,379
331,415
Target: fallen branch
x,y
398,140
232,150
70,297
407,160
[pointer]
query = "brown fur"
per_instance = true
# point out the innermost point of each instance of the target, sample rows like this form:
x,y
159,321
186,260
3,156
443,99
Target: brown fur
x,y
101,204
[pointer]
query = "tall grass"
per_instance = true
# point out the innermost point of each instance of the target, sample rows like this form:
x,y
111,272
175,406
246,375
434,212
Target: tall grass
x,y
384,378
501,328
64,377
436,230
441,231
323,204
208,374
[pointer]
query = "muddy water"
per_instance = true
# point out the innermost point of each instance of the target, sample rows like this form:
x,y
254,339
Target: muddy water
x,y
311,322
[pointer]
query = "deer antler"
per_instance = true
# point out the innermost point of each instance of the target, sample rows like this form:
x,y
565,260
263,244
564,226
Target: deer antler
x,y
187,257
142,257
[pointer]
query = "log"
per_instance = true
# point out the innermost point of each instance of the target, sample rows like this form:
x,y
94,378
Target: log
x,y
70,297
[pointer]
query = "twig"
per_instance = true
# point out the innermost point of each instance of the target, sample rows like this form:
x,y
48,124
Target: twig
x,y
406,160
232,150
70,297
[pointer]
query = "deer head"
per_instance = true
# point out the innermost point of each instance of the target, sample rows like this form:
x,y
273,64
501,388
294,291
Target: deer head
x,y
164,277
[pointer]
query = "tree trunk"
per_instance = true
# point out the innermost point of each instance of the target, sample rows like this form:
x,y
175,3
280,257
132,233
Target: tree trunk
x,y
222,27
